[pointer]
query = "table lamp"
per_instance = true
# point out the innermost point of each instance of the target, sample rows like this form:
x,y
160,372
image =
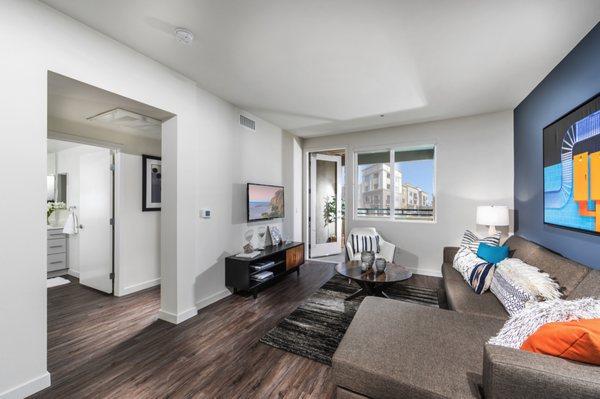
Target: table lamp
x,y
492,215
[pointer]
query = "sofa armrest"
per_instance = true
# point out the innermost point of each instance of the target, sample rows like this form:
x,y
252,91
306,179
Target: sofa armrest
x,y
513,373
449,253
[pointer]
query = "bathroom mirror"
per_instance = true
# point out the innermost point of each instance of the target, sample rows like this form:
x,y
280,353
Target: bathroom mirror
x,y
50,185
57,188
61,188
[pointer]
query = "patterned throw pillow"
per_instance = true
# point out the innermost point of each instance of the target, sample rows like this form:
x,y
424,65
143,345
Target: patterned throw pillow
x,y
361,243
511,295
517,284
476,272
471,240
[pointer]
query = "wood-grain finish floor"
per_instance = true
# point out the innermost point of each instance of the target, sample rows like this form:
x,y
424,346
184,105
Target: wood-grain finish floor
x,y
101,346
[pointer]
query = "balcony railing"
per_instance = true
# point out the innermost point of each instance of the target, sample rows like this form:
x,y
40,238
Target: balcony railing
x,y
398,212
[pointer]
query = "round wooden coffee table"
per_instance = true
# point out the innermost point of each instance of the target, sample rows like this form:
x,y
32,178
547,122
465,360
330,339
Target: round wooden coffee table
x,y
370,282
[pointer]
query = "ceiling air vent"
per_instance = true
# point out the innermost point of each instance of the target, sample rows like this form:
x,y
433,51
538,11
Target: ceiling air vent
x,y
247,123
123,118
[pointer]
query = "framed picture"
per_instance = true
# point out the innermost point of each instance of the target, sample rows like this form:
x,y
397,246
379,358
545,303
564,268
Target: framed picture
x,y
572,169
275,235
151,183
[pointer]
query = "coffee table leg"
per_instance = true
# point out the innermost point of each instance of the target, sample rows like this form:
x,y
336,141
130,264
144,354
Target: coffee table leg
x,y
357,293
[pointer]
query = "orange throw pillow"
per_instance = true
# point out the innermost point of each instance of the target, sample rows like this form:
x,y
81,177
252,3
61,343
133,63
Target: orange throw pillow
x,y
577,340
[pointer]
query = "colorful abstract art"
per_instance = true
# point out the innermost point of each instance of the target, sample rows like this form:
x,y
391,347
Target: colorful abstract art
x,y
572,169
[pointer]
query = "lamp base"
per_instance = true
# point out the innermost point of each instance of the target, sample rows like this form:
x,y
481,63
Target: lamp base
x,y
492,230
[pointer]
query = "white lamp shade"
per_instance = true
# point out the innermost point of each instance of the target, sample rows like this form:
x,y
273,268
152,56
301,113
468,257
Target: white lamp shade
x,y
492,215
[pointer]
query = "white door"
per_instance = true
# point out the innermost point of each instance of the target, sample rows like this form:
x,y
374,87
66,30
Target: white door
x,y
95,213
325,204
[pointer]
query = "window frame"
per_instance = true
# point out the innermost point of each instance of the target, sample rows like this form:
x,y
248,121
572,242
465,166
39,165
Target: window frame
x,y
391,149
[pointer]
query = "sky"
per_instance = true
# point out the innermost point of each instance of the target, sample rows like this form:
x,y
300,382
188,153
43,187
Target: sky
x,y
262,193
418,174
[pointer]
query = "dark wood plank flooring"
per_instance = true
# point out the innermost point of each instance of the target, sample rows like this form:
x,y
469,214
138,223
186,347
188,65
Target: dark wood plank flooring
x,y
100,346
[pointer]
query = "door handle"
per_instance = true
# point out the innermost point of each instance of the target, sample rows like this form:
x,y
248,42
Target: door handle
x,y
80,227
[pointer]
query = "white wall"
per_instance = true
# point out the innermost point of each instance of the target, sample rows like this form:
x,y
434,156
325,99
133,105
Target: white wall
x,y
137,260
474,166
205,160
226,165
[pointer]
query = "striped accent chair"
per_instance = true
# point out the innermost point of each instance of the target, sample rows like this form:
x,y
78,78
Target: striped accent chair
x,y
368,239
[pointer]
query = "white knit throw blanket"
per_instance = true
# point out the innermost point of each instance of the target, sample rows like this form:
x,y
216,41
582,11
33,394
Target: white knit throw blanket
x,y
530,278
524,323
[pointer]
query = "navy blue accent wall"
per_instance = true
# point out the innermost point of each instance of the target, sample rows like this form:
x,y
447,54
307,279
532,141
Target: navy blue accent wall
x,y
572,82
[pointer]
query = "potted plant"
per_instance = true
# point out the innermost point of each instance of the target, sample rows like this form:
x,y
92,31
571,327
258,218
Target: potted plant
x,y
330,215
52,206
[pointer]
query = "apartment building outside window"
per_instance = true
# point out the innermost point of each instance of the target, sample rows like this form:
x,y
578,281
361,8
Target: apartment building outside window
x,y
396,184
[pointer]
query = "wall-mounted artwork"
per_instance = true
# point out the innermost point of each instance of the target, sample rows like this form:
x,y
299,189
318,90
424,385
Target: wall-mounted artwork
x,y
151,183
572,169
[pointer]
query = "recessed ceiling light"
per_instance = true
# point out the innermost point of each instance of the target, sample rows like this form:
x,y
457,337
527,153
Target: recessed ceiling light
x,y
183,35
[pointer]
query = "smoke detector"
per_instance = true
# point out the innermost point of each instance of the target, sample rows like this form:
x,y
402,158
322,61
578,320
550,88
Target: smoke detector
x,y
184,36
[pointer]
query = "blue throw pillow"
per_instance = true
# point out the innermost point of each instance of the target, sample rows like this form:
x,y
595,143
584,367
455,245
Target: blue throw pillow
x,y
491,253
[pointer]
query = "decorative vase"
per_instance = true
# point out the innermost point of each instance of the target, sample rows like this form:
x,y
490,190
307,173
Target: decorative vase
x,y
380,265
366,259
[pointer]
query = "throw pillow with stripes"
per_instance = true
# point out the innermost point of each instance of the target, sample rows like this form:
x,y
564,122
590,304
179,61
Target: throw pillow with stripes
x,y
471,240
477,272
361,243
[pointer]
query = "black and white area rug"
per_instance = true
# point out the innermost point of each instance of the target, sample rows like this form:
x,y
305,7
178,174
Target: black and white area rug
x,y
315,329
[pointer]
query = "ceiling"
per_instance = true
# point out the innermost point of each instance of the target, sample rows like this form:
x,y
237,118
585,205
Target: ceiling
x,y
58,145
319,67
73,101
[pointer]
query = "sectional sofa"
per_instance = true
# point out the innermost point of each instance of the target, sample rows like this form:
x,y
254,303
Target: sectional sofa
x,y
395,349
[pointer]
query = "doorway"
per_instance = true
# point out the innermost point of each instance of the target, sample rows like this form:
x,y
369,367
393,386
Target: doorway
x,y
101,141
327,204
80,213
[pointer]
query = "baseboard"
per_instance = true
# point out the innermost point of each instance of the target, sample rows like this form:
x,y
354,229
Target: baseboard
x,y
426,272
177,318
212,299
73,273
28,388
130,289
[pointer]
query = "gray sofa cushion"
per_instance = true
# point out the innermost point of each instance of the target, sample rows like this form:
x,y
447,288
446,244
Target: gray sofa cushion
x,y
397,349
519,247
589,286
516,374
566,272
463,299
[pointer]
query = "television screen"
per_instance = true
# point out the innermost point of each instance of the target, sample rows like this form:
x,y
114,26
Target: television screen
x,y
264,202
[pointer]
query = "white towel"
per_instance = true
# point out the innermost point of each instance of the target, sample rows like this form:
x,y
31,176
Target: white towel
x,y
72,224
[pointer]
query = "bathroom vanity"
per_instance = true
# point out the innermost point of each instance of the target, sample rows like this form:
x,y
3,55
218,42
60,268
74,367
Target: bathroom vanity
x,y
57,252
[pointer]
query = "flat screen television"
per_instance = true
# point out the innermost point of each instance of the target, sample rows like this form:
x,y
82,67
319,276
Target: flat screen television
x,y
264,202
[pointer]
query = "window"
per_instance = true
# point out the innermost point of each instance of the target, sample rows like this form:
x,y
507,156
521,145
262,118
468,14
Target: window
x,y
368,192
407,189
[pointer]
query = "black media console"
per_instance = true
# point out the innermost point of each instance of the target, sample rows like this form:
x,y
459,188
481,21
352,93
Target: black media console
x,y
286,259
